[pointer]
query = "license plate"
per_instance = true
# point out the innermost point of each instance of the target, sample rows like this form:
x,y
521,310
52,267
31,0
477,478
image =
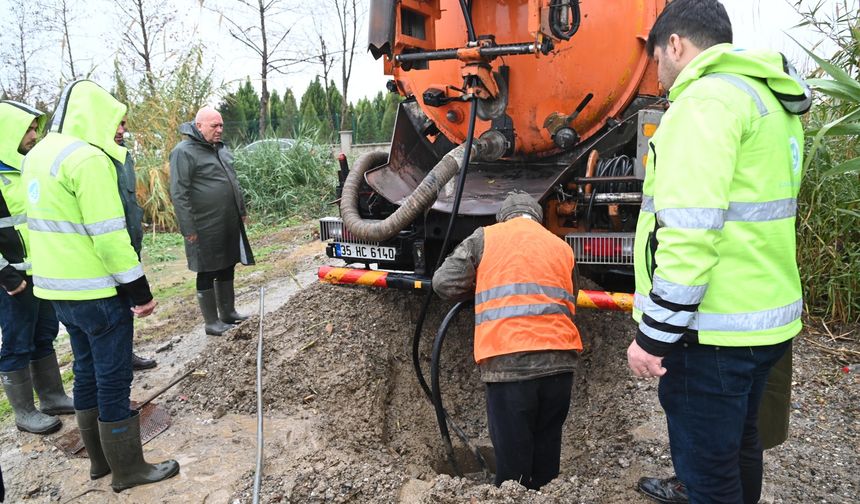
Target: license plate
x,y
364,251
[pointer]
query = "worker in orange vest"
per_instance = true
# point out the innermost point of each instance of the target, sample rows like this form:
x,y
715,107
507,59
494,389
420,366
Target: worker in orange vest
x,y
521,277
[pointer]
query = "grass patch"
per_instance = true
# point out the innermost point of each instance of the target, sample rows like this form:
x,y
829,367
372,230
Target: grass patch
x,y
163,247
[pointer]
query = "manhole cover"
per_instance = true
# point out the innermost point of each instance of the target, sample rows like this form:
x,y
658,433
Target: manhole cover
x,y
153,421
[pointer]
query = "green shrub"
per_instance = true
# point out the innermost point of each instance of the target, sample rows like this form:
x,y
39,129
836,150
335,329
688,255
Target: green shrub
x,y
295,182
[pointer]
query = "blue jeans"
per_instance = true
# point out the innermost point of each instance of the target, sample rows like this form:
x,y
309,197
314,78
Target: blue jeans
x,y
711,396
101,332
29,326
525,419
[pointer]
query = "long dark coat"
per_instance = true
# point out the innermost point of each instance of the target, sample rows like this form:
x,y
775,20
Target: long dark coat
x,y
208,202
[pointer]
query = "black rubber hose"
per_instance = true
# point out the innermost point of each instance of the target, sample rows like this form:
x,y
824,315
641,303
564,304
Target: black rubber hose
x,y
434,385
419,324
467,16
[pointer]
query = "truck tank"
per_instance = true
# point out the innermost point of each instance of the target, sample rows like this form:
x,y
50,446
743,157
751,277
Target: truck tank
x,y
565,100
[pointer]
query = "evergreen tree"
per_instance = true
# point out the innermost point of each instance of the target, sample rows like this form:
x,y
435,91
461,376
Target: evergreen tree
x,y
315,99
366,122
391,103
335,102
276,114
311,124
290,123
241,114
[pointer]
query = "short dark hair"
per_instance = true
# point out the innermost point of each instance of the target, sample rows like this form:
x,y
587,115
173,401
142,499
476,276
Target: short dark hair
x,y
704,22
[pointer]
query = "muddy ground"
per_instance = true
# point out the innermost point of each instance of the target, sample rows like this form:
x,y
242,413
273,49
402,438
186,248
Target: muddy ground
x,y
346,421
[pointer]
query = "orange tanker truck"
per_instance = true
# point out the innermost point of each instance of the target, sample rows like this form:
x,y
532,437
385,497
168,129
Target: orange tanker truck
x,y
554,97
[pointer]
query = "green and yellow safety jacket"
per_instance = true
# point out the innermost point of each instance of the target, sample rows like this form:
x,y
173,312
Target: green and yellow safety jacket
x,y
79,245
15,120
715,241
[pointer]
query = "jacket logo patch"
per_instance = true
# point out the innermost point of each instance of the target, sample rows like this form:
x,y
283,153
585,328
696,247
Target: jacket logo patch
x,y
795,155
33,191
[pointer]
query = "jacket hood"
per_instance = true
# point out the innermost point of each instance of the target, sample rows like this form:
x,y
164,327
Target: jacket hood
x,y
190,130
771,68
15,119
88,112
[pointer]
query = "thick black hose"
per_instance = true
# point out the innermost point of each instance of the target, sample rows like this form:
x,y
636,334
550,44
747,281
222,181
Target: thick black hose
x,y
441,414
419,324
467,16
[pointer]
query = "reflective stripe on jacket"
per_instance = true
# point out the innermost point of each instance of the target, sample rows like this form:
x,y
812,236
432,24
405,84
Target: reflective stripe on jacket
x,y
715,240
524,292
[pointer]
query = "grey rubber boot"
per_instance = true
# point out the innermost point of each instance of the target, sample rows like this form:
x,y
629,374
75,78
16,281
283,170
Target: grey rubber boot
x,y
88,424
19,391
124,453
214,326
226,297
49,386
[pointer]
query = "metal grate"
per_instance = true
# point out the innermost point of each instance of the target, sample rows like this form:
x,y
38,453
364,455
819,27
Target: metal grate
x,y
153,421
602,248
331,229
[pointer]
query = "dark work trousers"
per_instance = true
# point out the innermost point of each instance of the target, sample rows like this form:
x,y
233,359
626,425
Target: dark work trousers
x,y
206,279
101,332
29,326
525,420
711,396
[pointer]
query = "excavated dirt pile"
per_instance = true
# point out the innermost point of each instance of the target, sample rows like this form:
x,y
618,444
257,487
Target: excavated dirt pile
x,y
338,368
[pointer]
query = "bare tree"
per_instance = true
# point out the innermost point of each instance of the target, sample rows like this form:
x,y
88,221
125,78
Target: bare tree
x,y
19,50
266,38
348,17
59,18
147,23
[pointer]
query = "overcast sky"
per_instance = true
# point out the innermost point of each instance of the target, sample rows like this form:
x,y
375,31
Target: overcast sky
x,y
95,37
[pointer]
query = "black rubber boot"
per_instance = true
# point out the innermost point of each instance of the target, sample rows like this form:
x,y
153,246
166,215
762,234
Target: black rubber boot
x,y
139,363
19,391
226,296
667,491
88,424
124,453
214,326
49,386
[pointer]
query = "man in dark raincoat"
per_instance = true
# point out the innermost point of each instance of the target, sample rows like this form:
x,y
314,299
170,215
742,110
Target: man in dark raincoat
x,y
210,209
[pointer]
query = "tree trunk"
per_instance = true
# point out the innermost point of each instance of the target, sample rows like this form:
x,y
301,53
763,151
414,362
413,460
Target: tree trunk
x,y
264,73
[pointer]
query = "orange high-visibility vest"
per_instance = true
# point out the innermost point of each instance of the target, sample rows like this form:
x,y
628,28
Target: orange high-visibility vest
x,y
524,294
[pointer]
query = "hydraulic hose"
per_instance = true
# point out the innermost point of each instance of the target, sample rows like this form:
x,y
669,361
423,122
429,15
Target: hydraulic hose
x,y
419,324
441,414
258,473
415,205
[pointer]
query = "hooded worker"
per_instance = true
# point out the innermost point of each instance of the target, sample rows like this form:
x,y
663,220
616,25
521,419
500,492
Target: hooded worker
x,y
29,325
83,261
521,277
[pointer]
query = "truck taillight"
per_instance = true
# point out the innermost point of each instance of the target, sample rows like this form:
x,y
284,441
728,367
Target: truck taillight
x,y
602,248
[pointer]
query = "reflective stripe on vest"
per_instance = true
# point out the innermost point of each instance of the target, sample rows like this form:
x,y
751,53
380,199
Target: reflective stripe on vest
x,y
7,222
95,229
66,152
522,289
5,180
744,86
83,284
506,312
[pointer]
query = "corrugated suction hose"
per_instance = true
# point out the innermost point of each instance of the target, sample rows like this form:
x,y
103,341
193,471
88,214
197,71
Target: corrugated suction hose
x,y
416,204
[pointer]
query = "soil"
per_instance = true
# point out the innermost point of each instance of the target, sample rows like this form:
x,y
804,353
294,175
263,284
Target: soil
x,y
346,420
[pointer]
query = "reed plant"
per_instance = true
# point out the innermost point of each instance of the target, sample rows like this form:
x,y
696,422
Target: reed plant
x,y
829,200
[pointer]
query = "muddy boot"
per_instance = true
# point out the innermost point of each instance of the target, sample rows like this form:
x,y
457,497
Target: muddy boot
x,y
124,453
89,426
226,297
49,386
214,326
19,391
139,363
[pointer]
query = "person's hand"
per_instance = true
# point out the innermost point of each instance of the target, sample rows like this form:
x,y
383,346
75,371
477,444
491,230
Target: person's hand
x,y
192,238
144,310
18,289
643,364
245,220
